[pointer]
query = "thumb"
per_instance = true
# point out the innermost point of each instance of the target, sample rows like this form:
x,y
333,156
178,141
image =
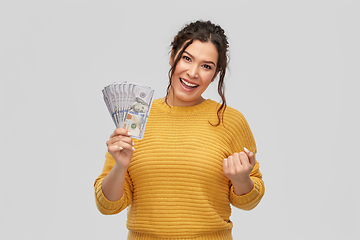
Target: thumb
x,y
251,156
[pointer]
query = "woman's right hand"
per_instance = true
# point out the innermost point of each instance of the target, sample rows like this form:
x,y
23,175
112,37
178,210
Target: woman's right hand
x,y
120,146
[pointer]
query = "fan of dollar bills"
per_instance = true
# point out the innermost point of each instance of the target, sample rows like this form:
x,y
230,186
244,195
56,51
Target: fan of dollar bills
x,y
129,106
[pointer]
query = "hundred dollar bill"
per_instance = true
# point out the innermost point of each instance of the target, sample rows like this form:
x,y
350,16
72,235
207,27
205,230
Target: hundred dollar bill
x,y
109,95
138,110
129,106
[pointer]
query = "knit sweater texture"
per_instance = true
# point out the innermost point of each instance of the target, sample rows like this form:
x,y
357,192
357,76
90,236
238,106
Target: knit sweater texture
x,y
175,188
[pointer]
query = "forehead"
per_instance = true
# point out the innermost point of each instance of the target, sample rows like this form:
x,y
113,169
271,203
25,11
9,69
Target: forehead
x,y
203,51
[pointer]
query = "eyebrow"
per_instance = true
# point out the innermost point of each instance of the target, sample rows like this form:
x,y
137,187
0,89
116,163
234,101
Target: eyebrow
x,y
208,62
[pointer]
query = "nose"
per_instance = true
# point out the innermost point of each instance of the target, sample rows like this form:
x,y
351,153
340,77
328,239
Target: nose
x,y
192,72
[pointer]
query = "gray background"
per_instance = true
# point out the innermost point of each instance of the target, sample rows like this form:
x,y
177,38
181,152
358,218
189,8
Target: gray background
x,y
294,74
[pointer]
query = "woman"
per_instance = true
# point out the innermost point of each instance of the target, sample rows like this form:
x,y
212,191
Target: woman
x,y
193,160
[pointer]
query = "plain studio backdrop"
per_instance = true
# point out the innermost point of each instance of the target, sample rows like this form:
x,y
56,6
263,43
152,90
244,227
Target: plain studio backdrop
x,y
294,74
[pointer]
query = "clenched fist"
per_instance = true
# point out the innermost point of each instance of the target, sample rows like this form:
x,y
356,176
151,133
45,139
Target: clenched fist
x,y
237,169
120,146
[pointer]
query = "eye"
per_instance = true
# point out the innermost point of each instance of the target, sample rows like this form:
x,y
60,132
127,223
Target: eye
x,y
186,58
207,66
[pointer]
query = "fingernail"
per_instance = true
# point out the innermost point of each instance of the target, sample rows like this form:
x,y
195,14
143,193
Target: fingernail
x,y
246,150
129,133
133,143
133,148
121,148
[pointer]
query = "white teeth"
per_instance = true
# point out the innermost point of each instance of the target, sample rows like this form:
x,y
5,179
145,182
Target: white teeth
x,y
188,84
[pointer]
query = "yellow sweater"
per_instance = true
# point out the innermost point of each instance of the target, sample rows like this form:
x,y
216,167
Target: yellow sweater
x,y
175,187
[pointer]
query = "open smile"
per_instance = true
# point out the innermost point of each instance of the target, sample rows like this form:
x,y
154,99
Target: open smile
x,y
188,85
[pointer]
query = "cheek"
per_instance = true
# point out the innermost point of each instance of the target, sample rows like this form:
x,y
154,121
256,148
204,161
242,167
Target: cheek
x,y
180,67
177,71
207,78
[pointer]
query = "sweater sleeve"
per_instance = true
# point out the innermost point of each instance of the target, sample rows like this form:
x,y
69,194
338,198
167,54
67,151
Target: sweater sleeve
x,y
243,137
252,199
104,205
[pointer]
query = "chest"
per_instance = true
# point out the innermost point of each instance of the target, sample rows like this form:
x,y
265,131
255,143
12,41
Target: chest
x,y
180,151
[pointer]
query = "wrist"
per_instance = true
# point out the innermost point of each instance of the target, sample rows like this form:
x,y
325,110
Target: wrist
x,y
243,187
119,169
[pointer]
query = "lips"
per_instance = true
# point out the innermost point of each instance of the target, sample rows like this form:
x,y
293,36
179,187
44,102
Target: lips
x,y
187,84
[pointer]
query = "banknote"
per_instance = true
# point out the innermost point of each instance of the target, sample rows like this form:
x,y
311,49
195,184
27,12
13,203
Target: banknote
x,y
129,105
139,105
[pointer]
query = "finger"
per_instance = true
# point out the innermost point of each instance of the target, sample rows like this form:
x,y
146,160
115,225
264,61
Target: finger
x,y
251,156
113,149
225,163
230,162
120,131
119,138
244,159
252,159
125,146
237,162
119,146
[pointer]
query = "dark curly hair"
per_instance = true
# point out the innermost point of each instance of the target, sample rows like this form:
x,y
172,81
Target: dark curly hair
x,y
204,31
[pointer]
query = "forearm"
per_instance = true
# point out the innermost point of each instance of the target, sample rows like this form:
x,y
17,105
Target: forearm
x,y
113,183
243,187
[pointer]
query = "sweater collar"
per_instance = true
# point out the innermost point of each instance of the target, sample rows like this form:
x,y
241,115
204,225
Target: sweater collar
x,y
181,110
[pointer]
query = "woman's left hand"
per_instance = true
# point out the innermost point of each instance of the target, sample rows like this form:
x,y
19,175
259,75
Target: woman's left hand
x,y
238,167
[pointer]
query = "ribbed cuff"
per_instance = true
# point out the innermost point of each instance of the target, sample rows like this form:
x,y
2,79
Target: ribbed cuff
x,y
246,198
104,205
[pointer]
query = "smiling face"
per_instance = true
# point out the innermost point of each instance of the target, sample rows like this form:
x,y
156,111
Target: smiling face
x,y
193,74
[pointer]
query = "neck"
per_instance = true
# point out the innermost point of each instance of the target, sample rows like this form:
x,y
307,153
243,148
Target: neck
x,y
169,100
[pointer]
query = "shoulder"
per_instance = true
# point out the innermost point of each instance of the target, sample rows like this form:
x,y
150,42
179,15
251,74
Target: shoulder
x,y
231,112
234,120
230,116
236,126
233,115
157,102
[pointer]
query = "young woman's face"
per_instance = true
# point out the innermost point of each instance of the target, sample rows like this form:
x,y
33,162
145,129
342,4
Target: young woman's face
x,y
193,73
